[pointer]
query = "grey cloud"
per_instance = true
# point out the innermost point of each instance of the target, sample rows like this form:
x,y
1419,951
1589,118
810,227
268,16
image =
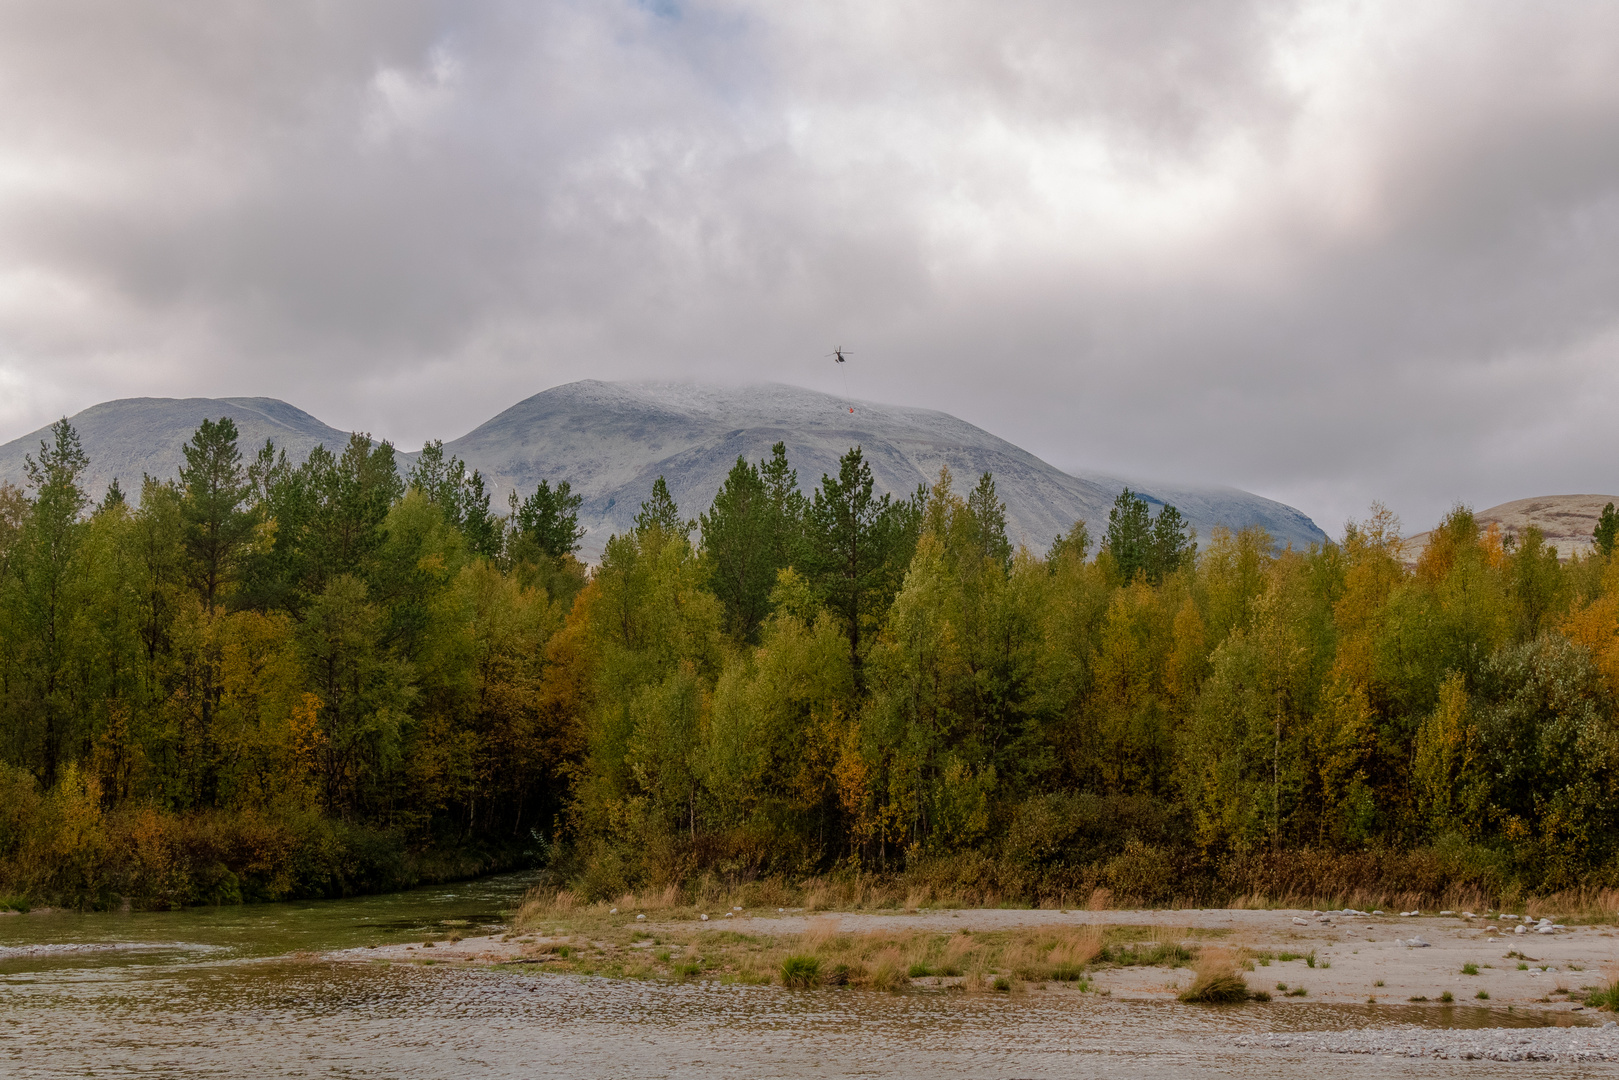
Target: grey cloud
x,y
1329,253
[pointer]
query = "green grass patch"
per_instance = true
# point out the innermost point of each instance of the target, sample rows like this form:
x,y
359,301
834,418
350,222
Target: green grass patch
x,y
1469,969
14,903
800,971
1447,997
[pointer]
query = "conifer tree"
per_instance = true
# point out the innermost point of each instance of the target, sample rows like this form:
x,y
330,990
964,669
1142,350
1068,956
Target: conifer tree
x,y
737,547
660,512
1607,530
550,518
216,488
49,543
858,545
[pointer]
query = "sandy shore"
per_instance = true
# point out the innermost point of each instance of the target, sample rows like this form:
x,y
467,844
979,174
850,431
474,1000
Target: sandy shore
x,y
1357,957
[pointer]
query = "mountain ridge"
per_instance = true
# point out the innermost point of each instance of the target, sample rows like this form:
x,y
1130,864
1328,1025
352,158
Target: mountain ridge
x,y
611,440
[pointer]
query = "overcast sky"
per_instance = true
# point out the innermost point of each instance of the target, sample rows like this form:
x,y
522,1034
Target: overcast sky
x,y
1330,253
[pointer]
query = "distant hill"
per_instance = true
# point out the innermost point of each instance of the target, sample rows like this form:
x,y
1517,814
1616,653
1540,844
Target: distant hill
x,y
133,437
612,440
1566,520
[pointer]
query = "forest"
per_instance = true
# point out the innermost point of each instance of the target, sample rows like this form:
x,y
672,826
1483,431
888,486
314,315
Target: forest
x,y
269,680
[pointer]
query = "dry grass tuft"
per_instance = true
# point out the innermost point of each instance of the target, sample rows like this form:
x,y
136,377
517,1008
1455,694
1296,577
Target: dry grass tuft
x,y
1217,981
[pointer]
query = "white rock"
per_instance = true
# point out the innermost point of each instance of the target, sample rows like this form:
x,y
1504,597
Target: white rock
x,y
613,912
1545,930
1518,929
1300,922
640,918
703,916
1379,911
1417,943
781,910
1447,913
730,914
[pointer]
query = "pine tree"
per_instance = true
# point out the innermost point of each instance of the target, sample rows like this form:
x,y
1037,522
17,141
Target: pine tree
x,y
1607,530
737,547
49,543
550,518
1172,544
989,519
1129,534
858,545
660,512
217,527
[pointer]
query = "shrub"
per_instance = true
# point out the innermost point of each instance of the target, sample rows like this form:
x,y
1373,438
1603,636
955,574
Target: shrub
x,y
801,971
1447,997
1217,982
1469,969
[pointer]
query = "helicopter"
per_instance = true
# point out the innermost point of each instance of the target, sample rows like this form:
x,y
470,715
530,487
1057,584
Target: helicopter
x,y
838,356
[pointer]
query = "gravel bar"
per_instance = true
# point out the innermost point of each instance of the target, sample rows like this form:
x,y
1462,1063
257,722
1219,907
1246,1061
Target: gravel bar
x,y
1479,1044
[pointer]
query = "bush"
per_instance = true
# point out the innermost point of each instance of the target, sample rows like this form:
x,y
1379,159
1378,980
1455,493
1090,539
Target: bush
x,y
801,971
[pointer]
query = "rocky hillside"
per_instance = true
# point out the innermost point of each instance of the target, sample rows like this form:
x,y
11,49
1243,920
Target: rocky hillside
x,y
612,440
1566,520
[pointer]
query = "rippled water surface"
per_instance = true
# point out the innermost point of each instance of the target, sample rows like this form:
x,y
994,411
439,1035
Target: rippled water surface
x,y
225,992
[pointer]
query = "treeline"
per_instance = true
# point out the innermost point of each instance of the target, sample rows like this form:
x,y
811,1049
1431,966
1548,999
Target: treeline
x,y
269,680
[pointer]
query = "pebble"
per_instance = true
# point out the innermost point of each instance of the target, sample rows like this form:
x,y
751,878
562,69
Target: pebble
x,y
1454,1044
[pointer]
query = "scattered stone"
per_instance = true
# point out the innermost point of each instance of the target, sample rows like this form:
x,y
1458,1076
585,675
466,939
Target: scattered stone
x,y
640,918
1300,922
703,916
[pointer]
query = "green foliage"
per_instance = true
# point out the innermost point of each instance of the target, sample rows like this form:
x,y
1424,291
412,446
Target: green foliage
x,y
278,679
1606,531
660,513
549,519
749,535
1137,543
801,971
857,547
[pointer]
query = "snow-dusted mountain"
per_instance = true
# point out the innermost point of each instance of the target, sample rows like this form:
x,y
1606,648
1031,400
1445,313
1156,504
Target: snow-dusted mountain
x,y
612,440
132,437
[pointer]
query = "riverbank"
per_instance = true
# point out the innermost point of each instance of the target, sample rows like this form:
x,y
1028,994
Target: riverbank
x,y
1295,956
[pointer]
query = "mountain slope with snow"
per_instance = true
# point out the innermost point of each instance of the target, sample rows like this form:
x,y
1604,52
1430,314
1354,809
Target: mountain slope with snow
x,y
612,440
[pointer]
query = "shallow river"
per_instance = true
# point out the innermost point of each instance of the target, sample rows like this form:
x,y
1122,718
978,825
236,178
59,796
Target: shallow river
x,y
232,992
